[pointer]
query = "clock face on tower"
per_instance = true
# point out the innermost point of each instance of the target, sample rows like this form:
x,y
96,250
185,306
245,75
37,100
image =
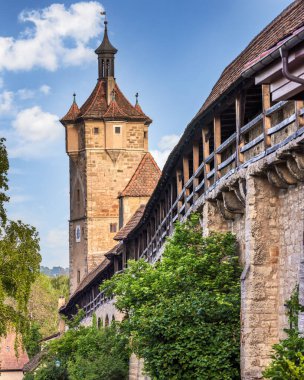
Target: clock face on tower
x,y
78,234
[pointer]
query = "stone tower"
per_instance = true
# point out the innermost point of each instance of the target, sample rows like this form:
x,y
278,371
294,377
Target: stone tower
x,y
106,140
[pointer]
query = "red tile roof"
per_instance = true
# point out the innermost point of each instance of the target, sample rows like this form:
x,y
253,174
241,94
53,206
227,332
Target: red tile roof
x,y
144,180
8,358
114,112
96,106
288,21
72,114
132,223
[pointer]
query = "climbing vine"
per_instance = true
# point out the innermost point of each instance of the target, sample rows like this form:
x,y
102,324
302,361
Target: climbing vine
x,y
183,314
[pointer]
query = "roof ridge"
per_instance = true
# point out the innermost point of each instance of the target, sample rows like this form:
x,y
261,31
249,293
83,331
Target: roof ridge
x,y
114,104
98,85
129,103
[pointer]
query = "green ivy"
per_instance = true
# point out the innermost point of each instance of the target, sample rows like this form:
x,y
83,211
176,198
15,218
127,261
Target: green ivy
x,y
288,355
183,314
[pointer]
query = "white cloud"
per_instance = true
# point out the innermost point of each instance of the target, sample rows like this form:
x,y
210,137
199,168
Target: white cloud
x,y
33,124
25,93
45,89
6,101
165,144
56,35
33,134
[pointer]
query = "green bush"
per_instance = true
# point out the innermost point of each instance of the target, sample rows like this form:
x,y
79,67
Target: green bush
x,y
288,356
184,312
86,353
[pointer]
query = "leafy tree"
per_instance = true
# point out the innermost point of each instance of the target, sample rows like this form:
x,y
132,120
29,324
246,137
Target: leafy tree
x,y
183,314
43,302
288,357
19,260
31,339
86,353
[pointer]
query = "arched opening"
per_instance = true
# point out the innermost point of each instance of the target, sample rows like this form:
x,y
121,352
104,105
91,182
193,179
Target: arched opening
x,y
107,321
113,319
99,323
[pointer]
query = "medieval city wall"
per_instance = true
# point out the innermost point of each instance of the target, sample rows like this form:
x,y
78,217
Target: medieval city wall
x,y
269,230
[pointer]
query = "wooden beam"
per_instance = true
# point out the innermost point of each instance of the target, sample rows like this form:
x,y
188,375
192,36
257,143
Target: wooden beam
x,y
217,143
179,187
299,104
239,110
206,153
266,100
195,167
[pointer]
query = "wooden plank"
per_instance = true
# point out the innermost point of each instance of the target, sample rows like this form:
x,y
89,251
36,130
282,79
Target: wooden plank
x,y
299,104
227,143
206,153
281,125
239,119
275,107
253,143
252,123
266,119
217,143
227,161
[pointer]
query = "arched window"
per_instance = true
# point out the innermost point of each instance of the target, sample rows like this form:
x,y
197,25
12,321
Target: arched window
x,y
107,321
99,323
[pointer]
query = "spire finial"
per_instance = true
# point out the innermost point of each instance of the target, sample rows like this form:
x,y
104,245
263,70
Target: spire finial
x,y
74,98
136,96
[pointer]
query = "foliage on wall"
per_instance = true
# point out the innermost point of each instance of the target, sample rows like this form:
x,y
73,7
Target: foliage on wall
x,y
288,355
183,314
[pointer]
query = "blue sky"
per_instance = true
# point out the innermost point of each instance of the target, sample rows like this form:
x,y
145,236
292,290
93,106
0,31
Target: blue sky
x,y
170,51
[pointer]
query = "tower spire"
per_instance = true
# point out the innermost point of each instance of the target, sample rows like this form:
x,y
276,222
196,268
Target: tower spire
x,y
106,52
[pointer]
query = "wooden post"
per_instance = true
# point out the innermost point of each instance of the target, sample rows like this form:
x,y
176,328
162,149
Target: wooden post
x,y
179,186
124,257
195,167
186,179
266,119
299,104
206,153
239,110
217,143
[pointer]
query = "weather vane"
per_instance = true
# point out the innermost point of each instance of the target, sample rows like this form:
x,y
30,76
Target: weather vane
x,y
136,96
104,13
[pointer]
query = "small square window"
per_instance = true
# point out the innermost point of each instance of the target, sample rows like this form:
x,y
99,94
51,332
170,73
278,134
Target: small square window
x,y
96,131
117,130
113,227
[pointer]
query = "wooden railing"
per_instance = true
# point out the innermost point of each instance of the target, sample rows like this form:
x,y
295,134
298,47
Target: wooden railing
x,y
189,194
253,142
